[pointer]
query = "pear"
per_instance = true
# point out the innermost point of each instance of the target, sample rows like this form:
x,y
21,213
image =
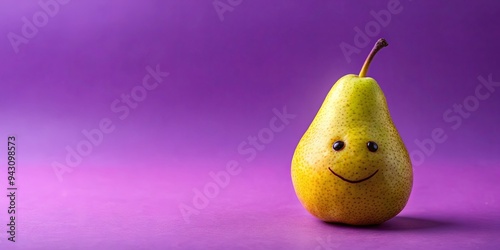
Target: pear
x,y
351,166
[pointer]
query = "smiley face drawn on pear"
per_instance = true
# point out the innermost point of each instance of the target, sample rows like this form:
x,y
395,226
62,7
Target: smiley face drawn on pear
x,y
340,145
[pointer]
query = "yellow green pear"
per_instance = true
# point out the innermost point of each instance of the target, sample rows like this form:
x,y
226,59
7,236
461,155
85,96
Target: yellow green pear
x,y
351,165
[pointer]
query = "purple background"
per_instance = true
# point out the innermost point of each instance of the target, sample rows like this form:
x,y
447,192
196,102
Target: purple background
x,y
226,77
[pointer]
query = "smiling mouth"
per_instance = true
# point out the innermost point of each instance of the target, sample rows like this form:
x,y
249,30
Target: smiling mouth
x,y
358,181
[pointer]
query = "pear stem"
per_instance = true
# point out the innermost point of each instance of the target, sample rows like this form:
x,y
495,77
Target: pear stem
x,y
378,46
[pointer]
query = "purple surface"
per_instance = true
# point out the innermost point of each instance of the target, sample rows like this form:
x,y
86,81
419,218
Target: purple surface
x,y
452,206
227,81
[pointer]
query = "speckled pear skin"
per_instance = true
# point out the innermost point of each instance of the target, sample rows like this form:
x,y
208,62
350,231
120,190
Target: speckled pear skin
x,y
355,111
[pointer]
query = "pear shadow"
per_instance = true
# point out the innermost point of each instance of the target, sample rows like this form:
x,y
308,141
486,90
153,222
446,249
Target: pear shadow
x,y
412,223
402,223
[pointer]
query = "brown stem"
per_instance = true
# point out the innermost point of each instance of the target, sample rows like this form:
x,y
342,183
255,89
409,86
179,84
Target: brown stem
x,y
378,46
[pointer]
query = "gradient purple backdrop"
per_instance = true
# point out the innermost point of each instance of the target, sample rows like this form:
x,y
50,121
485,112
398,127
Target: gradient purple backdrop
x,y
226,77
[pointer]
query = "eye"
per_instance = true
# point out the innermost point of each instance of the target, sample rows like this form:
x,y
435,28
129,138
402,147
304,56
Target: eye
x,y
372,146
338,145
